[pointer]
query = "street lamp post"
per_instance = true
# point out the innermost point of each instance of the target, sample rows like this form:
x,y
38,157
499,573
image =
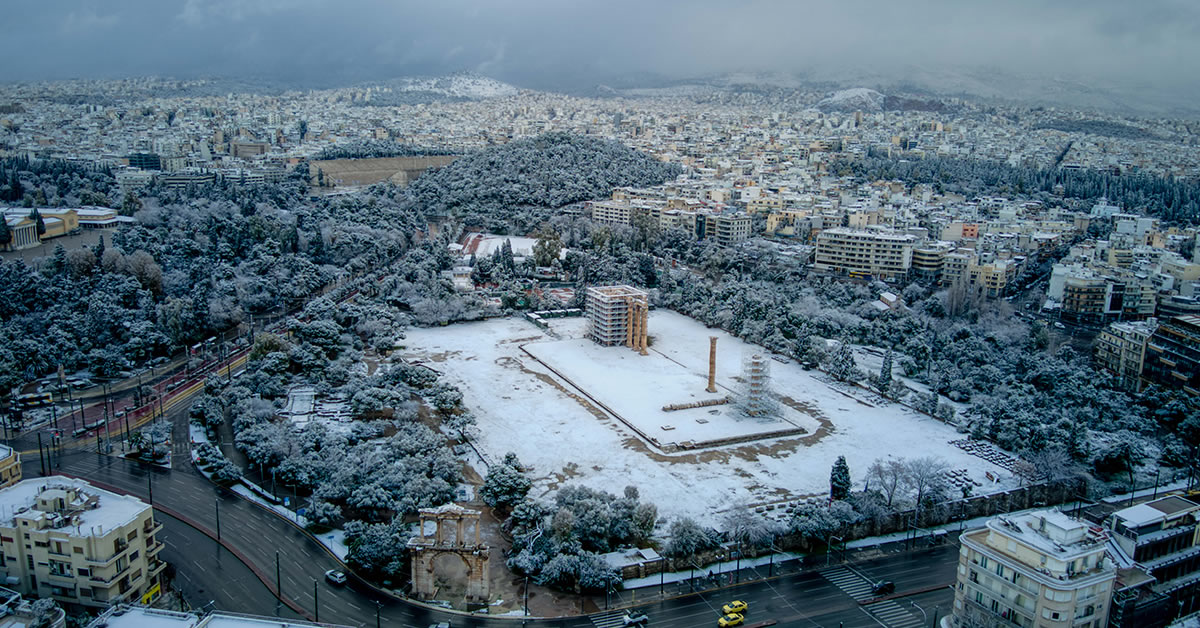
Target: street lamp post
x,y
316,604
218,504
662,575
278,582
924,617
829,548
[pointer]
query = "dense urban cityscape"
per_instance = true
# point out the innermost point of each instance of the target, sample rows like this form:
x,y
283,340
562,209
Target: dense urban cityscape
x,y
443,350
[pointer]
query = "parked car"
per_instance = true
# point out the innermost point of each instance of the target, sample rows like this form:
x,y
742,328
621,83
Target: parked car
x,y
335,577
736,606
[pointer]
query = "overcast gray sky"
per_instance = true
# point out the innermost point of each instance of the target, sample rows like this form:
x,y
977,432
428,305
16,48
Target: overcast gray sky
x,y
538,43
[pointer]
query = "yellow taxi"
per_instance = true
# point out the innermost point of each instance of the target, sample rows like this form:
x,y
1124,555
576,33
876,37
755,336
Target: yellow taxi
x,y
732,619
735,607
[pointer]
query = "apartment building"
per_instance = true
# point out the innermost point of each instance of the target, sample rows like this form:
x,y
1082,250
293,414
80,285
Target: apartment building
x,y
10,466
928,260
727,229
1037,569
65,539
1121,349
1159,543
957,266
876,253
1173,354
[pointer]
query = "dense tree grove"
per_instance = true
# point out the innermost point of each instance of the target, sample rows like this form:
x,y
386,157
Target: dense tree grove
x,y
1166,198
375,148
560,544
512,188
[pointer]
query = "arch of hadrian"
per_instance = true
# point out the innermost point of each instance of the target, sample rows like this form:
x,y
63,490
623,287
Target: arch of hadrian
x,y
452,536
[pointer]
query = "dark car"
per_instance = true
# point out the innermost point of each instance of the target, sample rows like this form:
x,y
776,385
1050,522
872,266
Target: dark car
x,y
884,587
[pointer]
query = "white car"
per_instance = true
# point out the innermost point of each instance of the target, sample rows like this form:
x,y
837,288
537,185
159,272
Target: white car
x,y
336,577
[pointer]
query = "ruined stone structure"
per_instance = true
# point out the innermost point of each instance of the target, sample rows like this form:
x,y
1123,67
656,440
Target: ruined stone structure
x,y
618,315
452,537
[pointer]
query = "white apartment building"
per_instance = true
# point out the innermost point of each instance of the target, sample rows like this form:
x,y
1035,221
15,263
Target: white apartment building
x,y
1038,569
64,539
878,253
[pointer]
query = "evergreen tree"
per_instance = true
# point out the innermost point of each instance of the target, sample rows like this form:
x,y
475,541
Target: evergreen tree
x,y
841,364
131,204
839,480
16,191
5,232
41,224
884,382
100,248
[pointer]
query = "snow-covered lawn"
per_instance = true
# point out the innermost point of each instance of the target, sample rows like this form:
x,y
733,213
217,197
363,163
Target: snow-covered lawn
x,y
564,438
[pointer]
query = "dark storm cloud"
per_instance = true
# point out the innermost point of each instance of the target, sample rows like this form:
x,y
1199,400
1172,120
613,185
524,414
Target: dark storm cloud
x,y
1151,42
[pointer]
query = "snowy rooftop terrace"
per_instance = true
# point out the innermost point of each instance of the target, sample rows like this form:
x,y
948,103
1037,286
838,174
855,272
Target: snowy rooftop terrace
x,y
125,616
112,510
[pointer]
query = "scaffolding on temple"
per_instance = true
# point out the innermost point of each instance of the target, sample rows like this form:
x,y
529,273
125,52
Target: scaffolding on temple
x,y
756,396
618,315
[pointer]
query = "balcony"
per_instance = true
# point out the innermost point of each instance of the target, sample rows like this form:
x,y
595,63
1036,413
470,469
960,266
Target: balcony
x,y
154,549
104,562
152,527
1007,617
109,580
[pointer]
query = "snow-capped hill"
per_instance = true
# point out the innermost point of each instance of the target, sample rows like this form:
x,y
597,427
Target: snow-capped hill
x,y
856,99
470,86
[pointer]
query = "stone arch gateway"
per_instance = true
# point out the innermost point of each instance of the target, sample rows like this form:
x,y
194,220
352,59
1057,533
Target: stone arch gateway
x,y
453,535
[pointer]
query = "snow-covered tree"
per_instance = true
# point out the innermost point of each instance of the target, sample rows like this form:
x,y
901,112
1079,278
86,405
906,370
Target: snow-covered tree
x,y
504,487
839,480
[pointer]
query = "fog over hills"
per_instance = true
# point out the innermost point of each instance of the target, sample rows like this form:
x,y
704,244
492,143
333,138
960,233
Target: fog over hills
x,y
1106,54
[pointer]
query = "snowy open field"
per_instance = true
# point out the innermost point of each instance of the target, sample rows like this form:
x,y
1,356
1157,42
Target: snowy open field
x,y
522,407
636,387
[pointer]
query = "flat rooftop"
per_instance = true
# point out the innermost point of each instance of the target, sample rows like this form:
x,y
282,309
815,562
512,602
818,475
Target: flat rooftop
x,y
111,511
125,616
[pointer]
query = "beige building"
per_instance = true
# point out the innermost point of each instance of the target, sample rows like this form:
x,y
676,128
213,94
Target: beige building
x,y
876,253
1121,349
10,466
1038,569
727,229
65,539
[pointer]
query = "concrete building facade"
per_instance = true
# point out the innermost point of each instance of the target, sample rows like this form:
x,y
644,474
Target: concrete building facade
x,y
67,540
878,253
1038,569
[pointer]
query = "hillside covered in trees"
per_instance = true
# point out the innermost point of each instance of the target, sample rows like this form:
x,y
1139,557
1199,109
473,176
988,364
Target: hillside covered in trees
x,y
1167,198
510,188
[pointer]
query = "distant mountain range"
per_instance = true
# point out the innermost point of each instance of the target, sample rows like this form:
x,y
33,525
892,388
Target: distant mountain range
x,y
460,85
920,88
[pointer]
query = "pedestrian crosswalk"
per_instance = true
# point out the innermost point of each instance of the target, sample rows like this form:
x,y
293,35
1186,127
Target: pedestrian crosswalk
x,y
849,582
888,612
894,615
610,619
